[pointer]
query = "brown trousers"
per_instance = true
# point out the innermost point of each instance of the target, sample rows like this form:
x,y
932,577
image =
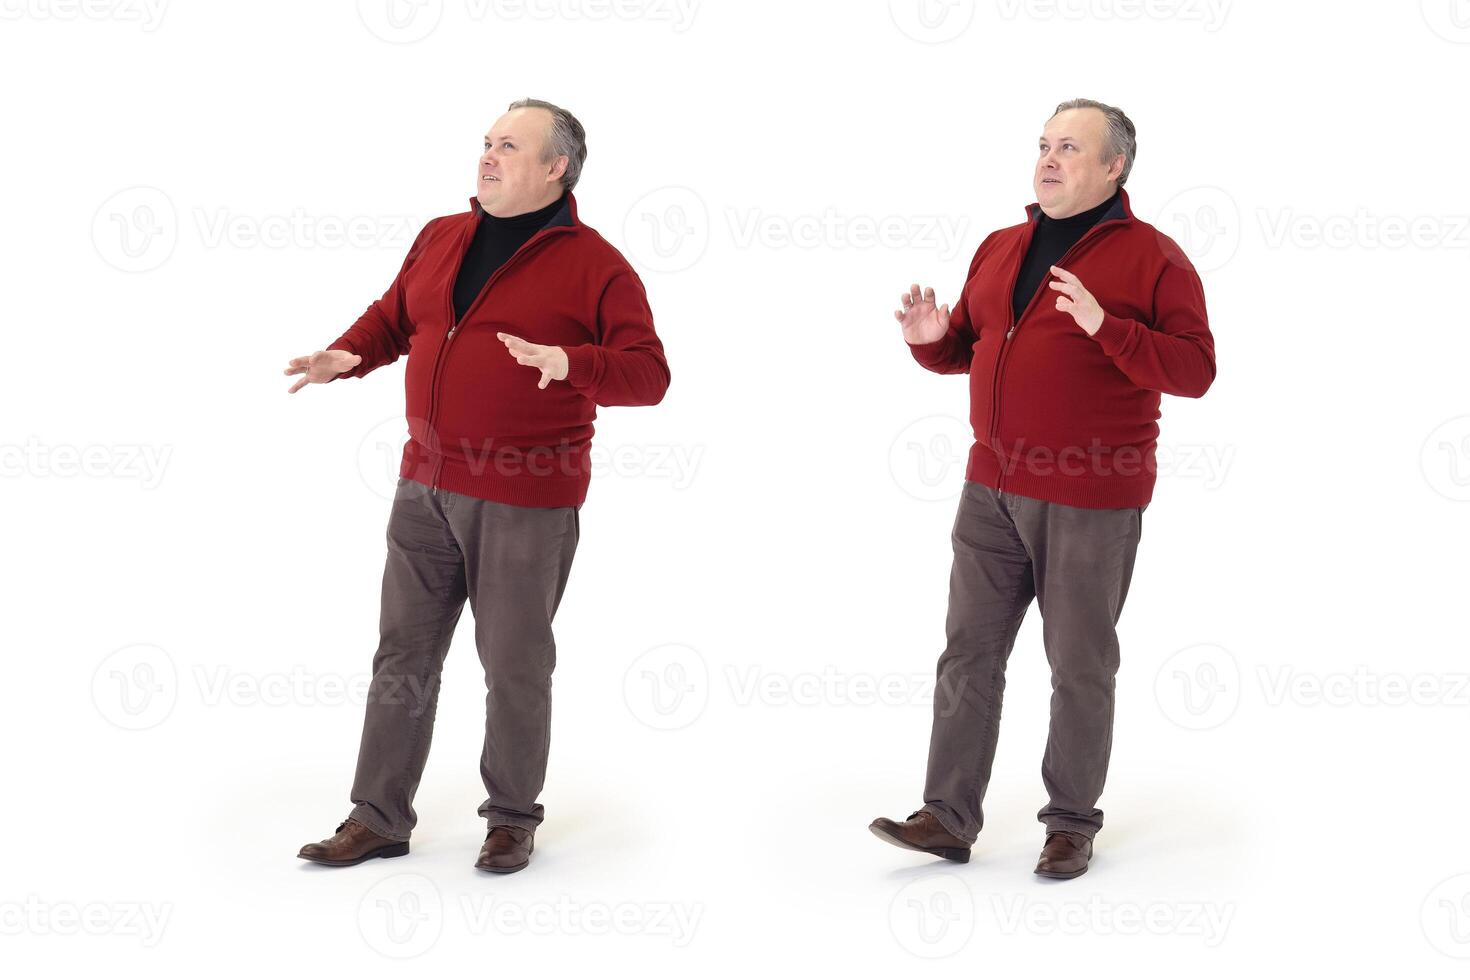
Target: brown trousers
x,y
512,564
1077,563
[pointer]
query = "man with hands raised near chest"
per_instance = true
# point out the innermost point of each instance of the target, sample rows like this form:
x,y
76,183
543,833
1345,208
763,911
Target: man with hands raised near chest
x,y
518,321
1070,325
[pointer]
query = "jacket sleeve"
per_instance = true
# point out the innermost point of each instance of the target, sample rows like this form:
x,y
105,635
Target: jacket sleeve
x,y
380,335
1176,353
951,353
625,364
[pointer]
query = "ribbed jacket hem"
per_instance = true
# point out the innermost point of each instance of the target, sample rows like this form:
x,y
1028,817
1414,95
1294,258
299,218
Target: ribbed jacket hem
x,y
1090,490
523,489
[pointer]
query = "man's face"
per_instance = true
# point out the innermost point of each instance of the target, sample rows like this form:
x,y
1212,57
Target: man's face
x,y
1072,172
514,175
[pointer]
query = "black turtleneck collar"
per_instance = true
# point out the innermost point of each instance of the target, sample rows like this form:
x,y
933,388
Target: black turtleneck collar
x,y
494,242
535,220
1052,238
1082,219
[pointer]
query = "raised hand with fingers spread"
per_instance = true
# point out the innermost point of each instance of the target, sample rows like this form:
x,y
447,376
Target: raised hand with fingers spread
x,y
1076,300
1064,406
922,321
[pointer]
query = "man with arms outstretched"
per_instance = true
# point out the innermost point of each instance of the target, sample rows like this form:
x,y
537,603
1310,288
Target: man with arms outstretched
x,y
495,469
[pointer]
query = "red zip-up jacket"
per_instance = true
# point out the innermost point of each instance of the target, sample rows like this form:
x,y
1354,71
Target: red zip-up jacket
x,y
1058,415
477,422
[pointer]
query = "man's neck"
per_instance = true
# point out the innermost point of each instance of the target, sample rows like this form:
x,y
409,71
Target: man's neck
x,y
1099,202
534,206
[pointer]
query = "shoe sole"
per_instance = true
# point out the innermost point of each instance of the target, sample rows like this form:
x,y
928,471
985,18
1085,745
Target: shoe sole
x,y
391,851
1062,874
955,854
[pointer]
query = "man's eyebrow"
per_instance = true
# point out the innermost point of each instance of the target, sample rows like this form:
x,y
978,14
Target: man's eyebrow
x,y
489,137
1042,139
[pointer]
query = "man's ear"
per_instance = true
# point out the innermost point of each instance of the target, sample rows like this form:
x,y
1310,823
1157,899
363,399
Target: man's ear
x,y
558,168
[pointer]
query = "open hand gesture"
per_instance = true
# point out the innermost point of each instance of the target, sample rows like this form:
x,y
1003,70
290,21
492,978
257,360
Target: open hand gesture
x,y
552,361
1076,300
922,321
321,367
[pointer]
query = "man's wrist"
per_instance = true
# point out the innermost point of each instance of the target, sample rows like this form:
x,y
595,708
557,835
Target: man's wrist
x,y
579,365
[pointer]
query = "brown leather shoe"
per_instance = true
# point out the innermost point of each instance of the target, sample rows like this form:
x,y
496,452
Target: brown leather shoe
x,y
922,831
506,849
1064,855
352,844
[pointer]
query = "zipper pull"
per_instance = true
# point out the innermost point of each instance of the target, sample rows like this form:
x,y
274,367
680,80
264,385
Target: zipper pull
x,y
1010,333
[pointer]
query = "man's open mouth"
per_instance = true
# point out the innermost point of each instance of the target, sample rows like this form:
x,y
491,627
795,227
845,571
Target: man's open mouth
x,y
489,177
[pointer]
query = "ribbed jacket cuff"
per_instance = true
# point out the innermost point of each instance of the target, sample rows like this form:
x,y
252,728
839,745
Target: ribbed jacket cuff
x,y
1113,334
933,353
580,362
347,346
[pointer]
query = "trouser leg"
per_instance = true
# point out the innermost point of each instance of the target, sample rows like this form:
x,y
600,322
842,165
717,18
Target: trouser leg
x,y
517,561
1083,563
990,587
423,594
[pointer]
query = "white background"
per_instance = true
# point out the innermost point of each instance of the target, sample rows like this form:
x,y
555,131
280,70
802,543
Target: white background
x,y
757,604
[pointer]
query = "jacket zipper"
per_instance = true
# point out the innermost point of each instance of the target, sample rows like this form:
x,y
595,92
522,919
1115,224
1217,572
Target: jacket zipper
x,y
533,242
1012,323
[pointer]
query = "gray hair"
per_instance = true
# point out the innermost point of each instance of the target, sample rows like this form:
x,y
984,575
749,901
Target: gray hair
x,y
567,139
1122,137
